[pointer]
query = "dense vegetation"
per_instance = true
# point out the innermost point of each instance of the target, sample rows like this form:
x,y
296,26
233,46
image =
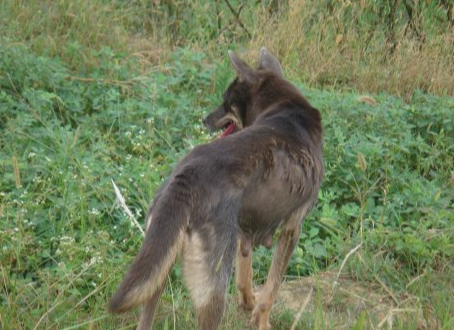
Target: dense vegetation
x,y
94,91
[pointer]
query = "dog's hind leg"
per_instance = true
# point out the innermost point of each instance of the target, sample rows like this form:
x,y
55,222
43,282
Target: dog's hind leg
x,y
244,274
267,295
207,265
149,309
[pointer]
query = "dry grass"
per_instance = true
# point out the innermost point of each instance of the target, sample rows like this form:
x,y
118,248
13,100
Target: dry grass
x,y
76,30
62,27
343,307
312,46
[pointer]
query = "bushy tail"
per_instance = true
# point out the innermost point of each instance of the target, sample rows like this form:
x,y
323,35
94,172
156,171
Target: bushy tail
x,y
163,242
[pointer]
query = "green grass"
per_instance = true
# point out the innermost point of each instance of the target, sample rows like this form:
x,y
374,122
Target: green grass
x,y
85,98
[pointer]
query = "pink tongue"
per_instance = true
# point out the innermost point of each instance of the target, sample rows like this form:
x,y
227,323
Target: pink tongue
x,y
228,130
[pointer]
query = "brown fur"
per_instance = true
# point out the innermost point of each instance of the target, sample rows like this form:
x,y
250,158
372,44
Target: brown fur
x,y
263,175
246,298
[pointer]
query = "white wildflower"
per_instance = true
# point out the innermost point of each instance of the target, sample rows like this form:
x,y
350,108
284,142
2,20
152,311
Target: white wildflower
x,y
94,211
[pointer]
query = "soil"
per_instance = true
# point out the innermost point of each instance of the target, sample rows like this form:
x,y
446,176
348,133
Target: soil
x,y
341,302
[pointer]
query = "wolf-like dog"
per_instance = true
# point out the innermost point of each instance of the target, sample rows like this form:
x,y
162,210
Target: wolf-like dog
x,y
229,195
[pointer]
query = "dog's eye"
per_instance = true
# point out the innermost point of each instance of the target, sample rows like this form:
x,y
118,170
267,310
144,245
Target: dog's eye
x,y
227,107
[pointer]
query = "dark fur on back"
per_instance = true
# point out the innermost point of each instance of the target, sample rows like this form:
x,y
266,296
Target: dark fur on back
x,y
264,174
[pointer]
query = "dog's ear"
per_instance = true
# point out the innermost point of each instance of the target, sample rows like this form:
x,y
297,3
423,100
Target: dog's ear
x,y
269,62
245,72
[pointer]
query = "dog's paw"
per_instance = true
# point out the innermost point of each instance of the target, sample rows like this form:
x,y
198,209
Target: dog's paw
x,y
246,302
260,318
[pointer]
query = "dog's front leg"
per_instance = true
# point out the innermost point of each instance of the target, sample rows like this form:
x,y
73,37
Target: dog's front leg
x,y
246,297
267,295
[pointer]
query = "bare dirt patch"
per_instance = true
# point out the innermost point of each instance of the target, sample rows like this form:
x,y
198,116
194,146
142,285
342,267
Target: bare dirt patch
x,y
341,302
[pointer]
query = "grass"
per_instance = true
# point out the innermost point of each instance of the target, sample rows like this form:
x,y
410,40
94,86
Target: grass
x,y
97,90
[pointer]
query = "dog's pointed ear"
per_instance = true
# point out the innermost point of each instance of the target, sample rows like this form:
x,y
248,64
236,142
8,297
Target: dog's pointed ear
x,y
269,62
245,72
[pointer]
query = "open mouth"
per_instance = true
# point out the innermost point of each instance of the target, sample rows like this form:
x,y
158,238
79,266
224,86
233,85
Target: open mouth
x,y
228,128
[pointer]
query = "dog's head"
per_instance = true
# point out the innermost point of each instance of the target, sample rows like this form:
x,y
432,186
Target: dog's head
x,y
243,99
